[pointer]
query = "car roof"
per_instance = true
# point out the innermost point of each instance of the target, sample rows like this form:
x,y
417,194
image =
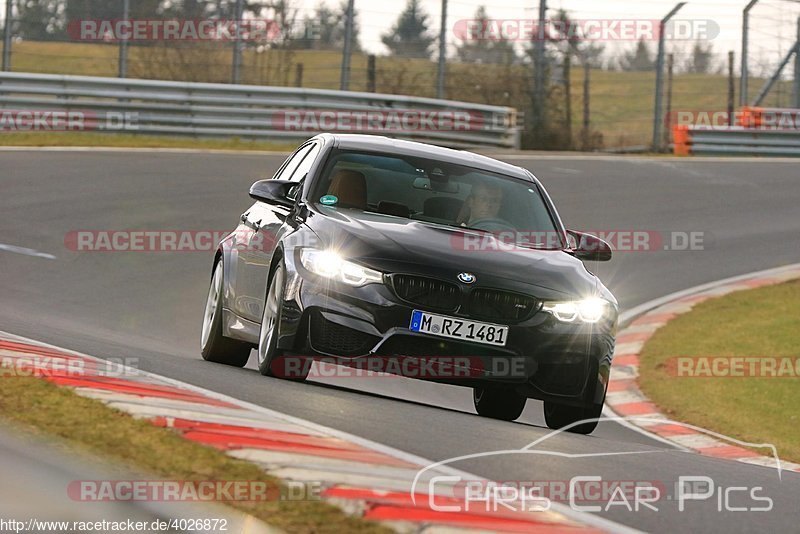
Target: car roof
x,y
379,143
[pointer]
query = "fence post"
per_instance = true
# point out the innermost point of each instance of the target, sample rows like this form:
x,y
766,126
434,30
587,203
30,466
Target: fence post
x,y
7,35
668,113
298,75
731,89
743,75
659,75
568,95
538,122
796,85
585,131
123,43
344,77
440,74
237,45
371,73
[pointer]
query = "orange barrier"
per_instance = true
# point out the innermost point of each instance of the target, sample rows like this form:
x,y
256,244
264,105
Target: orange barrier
x,y
681,140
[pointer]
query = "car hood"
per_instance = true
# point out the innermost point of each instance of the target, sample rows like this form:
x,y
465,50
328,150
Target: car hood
x,y
396,244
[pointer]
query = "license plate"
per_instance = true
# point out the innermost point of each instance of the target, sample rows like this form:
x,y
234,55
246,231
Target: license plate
x,y
441,325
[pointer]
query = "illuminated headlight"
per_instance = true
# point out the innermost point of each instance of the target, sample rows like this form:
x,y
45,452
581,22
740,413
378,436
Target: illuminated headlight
x,y
587,310
331,265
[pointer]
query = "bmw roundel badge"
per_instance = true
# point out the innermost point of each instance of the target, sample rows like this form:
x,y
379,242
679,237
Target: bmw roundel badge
x,y
467,278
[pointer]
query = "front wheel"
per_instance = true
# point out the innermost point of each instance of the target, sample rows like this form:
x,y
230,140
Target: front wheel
x,y
214,346
496,403
561,415
271,359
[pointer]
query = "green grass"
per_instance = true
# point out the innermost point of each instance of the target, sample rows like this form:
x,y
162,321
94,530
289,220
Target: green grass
x,y
36,406
621,103
135,141
762,322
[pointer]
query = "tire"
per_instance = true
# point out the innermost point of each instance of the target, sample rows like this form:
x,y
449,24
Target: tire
x,y
495,403
215,347
561,415
271,360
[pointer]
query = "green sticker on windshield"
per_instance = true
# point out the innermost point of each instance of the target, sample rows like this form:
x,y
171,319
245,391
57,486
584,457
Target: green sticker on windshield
x,y
329,200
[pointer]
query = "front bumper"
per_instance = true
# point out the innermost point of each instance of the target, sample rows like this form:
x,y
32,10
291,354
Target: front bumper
x,y
543,358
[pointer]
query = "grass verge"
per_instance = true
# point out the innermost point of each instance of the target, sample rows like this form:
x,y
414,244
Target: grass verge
x,y
89,426
136,141
762,323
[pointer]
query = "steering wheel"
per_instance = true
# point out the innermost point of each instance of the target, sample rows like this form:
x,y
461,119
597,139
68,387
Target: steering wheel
x,y
491,224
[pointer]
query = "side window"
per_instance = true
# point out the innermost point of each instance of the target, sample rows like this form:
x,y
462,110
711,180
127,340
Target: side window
x,y
293,161
302,169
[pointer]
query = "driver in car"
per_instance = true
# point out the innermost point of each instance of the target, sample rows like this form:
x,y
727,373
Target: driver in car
x,y
483,203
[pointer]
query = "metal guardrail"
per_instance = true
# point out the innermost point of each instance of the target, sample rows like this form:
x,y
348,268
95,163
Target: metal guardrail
x,y
762,132
285,113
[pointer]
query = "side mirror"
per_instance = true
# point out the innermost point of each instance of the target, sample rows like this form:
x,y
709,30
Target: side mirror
x,y
589,247
273,192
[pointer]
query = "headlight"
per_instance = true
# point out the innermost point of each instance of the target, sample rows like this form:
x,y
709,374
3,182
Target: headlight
x,y
587,310
329,264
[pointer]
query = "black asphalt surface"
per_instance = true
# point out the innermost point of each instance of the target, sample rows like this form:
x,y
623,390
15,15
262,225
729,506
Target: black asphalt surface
x,y
148,306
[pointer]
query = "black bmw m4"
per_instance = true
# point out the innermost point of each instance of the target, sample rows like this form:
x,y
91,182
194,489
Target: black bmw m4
x,y
404,258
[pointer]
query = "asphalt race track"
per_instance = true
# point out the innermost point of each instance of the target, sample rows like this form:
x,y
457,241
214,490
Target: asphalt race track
x,y
148,306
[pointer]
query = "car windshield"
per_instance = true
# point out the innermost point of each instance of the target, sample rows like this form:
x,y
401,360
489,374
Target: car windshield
x,y
437,192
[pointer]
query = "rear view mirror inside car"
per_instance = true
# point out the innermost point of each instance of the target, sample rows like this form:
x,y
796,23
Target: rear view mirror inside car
x,y
440,186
